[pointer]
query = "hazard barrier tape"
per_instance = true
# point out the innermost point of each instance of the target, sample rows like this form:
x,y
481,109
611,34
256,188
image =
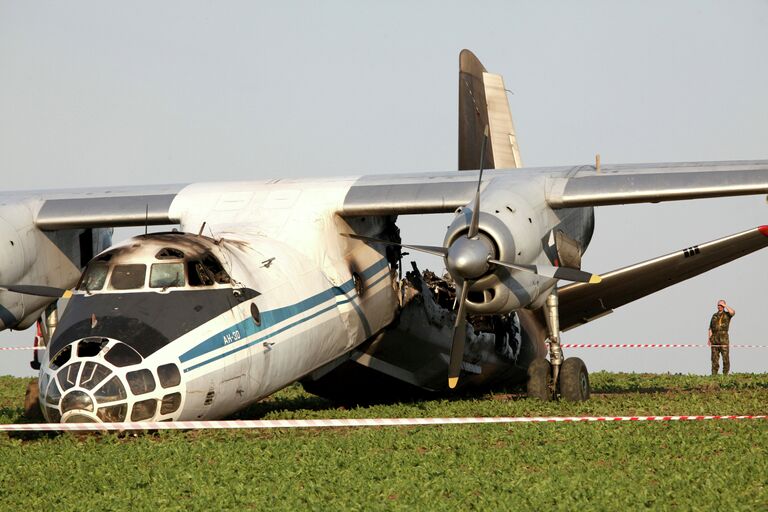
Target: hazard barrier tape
x,y
336,423
570,345
652,345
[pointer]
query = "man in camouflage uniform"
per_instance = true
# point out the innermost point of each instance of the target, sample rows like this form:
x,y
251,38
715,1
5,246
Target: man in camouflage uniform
x,y
718,336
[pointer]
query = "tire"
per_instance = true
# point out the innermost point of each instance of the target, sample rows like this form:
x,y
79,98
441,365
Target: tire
x,y
574,380
540,380
32,411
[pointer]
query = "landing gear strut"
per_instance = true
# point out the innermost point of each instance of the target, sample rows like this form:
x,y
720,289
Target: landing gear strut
x,y
568,377
46,326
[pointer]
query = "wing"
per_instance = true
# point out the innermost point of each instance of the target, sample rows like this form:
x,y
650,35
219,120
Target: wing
x,y
560,187
580,303
395,194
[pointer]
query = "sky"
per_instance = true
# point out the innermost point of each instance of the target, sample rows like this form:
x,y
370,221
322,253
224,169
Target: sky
x,y
121,93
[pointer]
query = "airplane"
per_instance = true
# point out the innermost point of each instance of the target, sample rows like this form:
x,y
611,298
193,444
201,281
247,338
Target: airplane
x,y
270,282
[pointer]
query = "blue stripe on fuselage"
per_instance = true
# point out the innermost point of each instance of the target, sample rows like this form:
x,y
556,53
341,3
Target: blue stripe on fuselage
x,y
248,327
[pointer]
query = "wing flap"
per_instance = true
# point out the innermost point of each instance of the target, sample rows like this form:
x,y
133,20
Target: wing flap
x,y
581,303
653,183
97,207
118,211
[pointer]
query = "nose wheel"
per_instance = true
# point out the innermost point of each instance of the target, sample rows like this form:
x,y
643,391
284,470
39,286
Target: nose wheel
x,y
567,377
32,410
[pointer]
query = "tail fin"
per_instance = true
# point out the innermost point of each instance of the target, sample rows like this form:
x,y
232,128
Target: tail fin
x,y
483,101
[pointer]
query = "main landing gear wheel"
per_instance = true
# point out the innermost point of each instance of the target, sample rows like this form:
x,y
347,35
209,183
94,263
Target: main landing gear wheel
x,y
540,380
574,380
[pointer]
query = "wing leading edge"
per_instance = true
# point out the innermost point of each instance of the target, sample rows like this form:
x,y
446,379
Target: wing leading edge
x,y
580,303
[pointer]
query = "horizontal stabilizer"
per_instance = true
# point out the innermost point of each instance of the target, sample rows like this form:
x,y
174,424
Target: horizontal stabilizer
x,y
581,303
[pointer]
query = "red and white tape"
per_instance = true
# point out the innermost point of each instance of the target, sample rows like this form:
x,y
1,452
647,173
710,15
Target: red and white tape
x,y
569,345
653,345
336,423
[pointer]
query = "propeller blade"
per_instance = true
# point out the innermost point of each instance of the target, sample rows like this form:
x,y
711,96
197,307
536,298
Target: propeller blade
x,y
474,223
429,249
565,273
40,291
459,336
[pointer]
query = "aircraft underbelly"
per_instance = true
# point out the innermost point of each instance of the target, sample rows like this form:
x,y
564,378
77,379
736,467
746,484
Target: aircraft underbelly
x,y
412,352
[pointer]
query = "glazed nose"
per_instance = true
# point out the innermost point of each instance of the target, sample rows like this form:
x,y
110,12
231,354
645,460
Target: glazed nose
x,y
105,380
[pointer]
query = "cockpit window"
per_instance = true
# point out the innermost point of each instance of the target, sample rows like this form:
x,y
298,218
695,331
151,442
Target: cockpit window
x,y
128,277
94,277
199,275
206,272
121,355
166,275
169,253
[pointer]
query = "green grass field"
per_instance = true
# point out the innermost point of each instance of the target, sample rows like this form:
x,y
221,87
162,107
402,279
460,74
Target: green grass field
x,y
703,465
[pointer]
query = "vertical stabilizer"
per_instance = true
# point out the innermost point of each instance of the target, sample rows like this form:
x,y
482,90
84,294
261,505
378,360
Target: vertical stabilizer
x,y
483,101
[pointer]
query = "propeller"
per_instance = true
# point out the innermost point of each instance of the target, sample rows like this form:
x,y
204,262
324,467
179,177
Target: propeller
x,y
565,273
469,258
39,291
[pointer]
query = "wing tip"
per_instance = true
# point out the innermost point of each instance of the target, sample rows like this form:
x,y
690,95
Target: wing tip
x,y
763,230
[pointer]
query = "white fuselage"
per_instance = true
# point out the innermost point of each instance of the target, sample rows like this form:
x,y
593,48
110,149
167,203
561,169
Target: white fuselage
x,y
294,299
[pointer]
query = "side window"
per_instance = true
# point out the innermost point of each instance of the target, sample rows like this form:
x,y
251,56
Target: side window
x,y
128,277
166,275
214,267
94,277
206,272
198,274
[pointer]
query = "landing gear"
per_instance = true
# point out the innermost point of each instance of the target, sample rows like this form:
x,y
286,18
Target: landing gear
x,y
568,376
540,380
574,380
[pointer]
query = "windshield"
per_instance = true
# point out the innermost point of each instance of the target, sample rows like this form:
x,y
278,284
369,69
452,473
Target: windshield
x,y
94,277
128,277
135,268
166,275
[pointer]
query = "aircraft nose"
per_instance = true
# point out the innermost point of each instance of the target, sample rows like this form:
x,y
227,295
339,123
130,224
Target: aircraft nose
x,y
77,400
107,381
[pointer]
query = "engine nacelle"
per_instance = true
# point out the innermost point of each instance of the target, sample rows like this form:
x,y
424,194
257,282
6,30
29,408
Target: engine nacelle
x,y
515,230
31,256
13,263
17,255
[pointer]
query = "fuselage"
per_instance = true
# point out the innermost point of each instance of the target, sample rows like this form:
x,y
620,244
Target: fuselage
x,y
179,326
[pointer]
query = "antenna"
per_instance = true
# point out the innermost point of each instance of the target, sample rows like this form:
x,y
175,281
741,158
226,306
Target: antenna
x,y
202,227
146,219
